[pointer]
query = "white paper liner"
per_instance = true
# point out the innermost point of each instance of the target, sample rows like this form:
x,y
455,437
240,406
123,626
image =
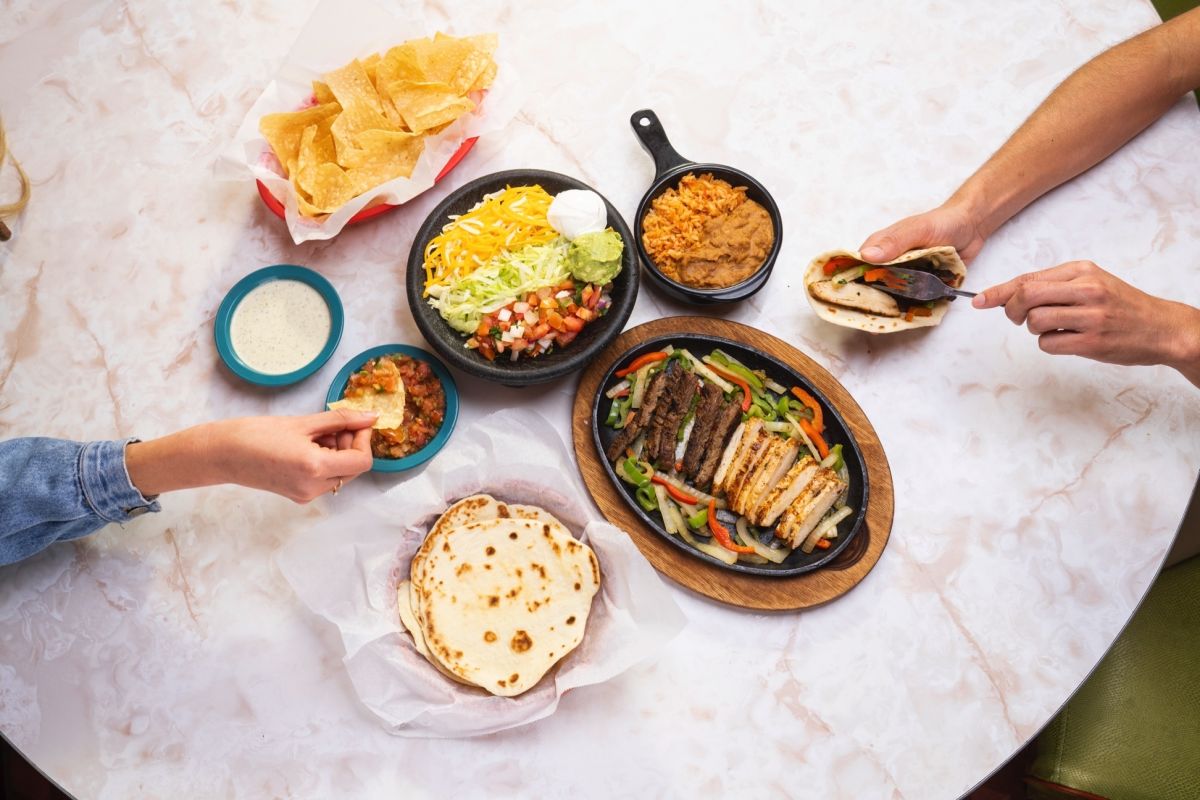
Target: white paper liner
x,y
346,569
336,33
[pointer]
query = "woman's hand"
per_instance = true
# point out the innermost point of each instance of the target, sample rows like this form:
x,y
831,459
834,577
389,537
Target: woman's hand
x,y
953,223
300,458
1079,309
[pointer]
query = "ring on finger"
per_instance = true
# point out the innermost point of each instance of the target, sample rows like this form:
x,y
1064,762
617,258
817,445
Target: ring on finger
x,y
336,486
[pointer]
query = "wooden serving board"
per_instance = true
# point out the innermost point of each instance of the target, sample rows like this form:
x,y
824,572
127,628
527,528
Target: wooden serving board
x,y
749,591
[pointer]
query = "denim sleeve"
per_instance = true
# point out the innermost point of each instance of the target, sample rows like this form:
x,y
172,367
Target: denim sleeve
x,y
53,489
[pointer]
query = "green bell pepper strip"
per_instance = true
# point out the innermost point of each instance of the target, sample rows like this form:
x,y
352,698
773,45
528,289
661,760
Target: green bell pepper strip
x,y
614,414
737,369
646,498
836,451
636,476
699,519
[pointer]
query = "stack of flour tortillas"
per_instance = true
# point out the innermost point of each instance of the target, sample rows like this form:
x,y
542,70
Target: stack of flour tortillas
x,y
498,594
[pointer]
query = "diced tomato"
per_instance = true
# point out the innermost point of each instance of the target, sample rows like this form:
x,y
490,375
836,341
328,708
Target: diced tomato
x,y
585,314
574,324
483,330
555,321
593,301
533,300
567,285
504,324
519,344
545,292
587,294
565,339
540,331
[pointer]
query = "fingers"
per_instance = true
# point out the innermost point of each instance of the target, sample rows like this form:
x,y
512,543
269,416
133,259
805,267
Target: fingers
x,y
895,240
1000,294
345,439
362,441
338,420
1047,319
1063,343
327,440
344,464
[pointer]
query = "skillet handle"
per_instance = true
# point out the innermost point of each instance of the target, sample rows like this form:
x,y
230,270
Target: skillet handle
x,y
652,136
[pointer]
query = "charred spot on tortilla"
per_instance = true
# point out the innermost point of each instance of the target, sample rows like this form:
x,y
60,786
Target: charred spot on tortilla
x,y
489,636
521,642
491,551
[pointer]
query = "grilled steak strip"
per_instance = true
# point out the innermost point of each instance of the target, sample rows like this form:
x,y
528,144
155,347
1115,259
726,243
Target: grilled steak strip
x,y
728,418
650,401
711,398
681,404
675,378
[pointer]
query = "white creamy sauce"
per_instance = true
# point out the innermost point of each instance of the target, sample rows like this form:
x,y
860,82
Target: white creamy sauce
x,y
280,326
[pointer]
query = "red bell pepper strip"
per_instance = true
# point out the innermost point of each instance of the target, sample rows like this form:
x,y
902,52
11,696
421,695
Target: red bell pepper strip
x,y
824,544
641,361
811,432
721,534
739,382
839,262
674,491
818,420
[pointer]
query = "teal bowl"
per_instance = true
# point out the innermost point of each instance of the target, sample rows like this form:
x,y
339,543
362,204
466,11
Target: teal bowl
x,y
449,388
253,281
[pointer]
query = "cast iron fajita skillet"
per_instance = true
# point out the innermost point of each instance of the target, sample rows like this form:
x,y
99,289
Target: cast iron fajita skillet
x,y
669,167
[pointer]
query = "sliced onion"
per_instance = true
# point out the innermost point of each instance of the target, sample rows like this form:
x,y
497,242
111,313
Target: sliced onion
x,y
767,553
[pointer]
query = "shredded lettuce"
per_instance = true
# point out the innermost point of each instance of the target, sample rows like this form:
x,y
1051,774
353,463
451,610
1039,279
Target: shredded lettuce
x,y
503,279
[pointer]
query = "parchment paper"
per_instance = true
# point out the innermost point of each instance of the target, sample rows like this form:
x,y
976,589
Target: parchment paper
x,y
338,32
346,569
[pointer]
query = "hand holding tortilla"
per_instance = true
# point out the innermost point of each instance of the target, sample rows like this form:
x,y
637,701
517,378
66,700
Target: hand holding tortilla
x,y
498,594
843,289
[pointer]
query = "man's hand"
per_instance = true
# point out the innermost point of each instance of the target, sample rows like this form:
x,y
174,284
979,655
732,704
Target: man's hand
x,y
1079,309
952,223
300,458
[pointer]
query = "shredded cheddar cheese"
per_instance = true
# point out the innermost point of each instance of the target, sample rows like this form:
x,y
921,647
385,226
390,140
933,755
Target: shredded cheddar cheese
x,y
504,220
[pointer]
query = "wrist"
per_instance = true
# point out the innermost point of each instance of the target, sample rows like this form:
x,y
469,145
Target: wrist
x,y
976,200
1181,348
182,460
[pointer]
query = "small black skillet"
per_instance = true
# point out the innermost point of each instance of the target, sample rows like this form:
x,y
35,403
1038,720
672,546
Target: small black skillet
x,y
669,167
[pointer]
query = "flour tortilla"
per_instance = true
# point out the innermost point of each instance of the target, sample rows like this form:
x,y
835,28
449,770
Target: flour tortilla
x,y
410,624
476,508
945,257
505,599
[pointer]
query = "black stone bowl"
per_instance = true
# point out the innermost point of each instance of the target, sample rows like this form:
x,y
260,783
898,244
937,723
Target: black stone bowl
x,y
558,363
669,167
836,432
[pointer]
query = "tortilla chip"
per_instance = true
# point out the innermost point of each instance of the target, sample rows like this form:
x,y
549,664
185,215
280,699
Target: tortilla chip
x,y
371,117
283,131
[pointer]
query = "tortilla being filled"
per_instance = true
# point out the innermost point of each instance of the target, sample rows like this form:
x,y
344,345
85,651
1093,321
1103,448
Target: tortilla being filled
x,y
859,305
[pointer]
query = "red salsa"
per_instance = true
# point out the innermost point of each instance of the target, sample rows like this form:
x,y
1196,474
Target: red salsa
x,y
424,402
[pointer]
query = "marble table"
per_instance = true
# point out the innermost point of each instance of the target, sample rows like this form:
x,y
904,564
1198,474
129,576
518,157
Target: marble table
x,y
1035,496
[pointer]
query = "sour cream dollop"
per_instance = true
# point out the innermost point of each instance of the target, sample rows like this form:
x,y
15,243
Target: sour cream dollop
x,y
280,326
576,212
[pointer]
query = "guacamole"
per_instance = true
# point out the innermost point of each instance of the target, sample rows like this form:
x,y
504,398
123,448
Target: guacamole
x,y
595,257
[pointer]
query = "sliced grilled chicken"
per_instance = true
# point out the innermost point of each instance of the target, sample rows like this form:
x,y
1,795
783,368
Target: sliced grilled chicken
x,y
806,511
745,465
729,453
785,491
747,453
857,296
729,420
771,470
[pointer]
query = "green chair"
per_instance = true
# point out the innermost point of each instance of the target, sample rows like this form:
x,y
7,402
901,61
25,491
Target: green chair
x,y
1132,731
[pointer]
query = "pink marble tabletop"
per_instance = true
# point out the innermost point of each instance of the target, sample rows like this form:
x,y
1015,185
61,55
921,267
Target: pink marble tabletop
x,y
1035,497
